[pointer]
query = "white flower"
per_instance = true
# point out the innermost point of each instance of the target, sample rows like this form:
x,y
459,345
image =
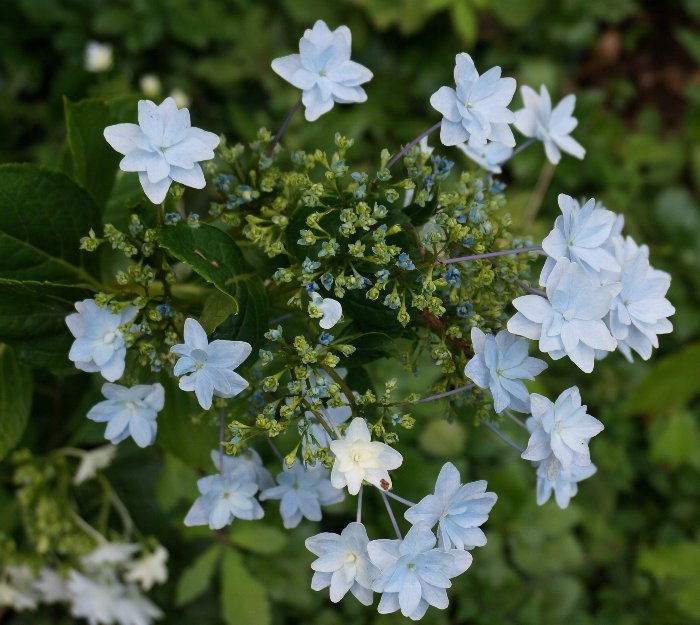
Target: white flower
x,y
207,368
51,586
562,429
569,321
302,491
17,589
458,510
316,435
563,483
478,110
224,498
413,574
500,363
93,599
151,86
246,461
639,312
163,147
490,156
551,126
358,458
98,56
94,461
134,608
581,234
110,554
150,569
343,563
329,310
323,70
130,412
99,344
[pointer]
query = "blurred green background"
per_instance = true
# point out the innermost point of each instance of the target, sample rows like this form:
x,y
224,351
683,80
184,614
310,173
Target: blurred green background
x,y
627,551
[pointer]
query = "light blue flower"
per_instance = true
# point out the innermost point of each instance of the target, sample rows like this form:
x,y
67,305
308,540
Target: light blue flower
x,y
478,110
99,344
569,321
302,491
325,338
327,280
561,429
413,574
563,483
581,234
343,563
452,276
465,310
162,148
490,156
309,266
130,412
551,126
458,509
207,368
404,262
323,70
382,276
245,463
500,363
317,435
225,497
328,309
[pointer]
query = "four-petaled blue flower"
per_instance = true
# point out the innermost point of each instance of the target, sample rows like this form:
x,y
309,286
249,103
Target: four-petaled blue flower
x,y
458,509
404,262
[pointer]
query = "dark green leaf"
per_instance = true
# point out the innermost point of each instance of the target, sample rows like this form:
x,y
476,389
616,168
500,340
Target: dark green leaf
x,y
370,346
15,399
197,577
258,538
244,600
217,308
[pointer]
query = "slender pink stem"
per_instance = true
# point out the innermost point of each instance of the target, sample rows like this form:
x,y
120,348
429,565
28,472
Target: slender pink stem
x,y
408,146
519,250
283,127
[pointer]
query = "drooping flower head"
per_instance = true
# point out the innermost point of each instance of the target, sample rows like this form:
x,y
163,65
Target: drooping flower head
x,y
564,483
561,429
99,343
130,412
569,321
457,509
413,573
163,148
323,70
490,156
501,363
551,126
343,563
208,368
477,111
358,458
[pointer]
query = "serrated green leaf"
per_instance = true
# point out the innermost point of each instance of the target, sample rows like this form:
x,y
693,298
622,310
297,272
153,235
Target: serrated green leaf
x,y
244,600
196,578
15,399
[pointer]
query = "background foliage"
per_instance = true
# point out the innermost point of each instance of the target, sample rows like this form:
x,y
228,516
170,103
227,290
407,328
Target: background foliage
x,y
628,549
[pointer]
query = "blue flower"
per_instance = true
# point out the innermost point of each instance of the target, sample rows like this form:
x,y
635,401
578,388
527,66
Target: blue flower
x,y
302,491
404,262
325,338
457,509
309,266
500,363
452,276
382,276
465,310
343,563
563,483
327,280
413,574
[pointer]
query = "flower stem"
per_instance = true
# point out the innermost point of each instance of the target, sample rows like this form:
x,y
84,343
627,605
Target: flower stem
x,y
405,502
341,383
503,437
519,250
359,505
523,146
520,422
408,146
283,127
430,398
221,440
276,451
391,515
530,289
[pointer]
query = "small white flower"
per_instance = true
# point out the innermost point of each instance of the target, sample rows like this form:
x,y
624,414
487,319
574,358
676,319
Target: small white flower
x,y
343,563
163,148
208,368
563,483
562,429
51,586
17,589
130,412
551,126
94,599
99,343
302,491
323,70
581,234
98,57
150,569
490,156
569,321
110,554
329,310
358,458
478,110
150,86
94,461
501,363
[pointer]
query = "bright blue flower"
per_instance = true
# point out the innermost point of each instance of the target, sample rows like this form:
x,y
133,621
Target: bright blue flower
x,y
404,262
457,509
172,218
325,338
452,276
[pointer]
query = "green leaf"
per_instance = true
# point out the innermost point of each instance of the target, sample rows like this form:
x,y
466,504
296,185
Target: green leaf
x,y
15,399
43,215
196,578
667,385
370,346
217,308
675,439
244,600
185,430
464,20
258,538
92,161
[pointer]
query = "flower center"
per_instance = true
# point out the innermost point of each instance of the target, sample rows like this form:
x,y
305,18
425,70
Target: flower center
x,y
109,337
199,356
350,558
411,565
